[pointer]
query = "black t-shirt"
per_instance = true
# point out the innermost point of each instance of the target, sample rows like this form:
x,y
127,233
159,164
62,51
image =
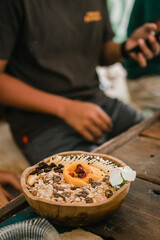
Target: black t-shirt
x,y
52,45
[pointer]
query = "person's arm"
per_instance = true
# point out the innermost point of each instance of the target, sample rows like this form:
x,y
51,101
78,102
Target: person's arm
x,y
13,180
87,118
111,51
15,92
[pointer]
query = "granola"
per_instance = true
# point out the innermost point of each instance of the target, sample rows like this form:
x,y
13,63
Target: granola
x,y
77,178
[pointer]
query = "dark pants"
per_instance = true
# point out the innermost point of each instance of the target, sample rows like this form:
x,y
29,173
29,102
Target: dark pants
x,y
62,137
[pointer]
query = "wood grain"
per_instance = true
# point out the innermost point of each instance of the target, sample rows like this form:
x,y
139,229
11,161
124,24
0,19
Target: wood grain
x,y
16,205
128,135
142,154
153,131
3,199
137,218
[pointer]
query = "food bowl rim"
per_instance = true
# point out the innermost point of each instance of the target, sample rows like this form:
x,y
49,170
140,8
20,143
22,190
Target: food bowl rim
x,y
28,170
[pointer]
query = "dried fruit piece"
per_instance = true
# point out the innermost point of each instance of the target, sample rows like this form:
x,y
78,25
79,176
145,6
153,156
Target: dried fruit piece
x,y
89,200
57,195
52,165
56,178
108,193
59,168
42,165
83,194
79,169
74,188
48,169
82,175
34,172
93,183
71,174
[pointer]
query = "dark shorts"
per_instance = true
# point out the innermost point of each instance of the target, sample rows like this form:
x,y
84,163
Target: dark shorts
x,y
62,137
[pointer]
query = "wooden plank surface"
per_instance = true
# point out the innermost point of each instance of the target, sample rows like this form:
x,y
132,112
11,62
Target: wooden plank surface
x,y
152,131
143,155
138,218
13,207
128,135
3,199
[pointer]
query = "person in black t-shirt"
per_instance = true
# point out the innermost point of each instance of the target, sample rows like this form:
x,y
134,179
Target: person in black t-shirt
x,y
48,83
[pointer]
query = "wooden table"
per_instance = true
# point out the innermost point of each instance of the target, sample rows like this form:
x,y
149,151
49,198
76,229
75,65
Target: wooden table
x,y
138,218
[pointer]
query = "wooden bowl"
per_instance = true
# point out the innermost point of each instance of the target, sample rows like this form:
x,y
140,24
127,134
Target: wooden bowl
x,y
74,214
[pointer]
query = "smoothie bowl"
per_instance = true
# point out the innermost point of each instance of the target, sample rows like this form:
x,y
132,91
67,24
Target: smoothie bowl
x,y
76,188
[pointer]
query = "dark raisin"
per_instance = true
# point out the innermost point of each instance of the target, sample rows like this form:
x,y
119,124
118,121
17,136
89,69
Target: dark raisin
x,y
39,168
48,169
34,172
82,175
58,167
42,165
58,170
39,171
108,193
74,188
89,200
83,194
52,165
79,169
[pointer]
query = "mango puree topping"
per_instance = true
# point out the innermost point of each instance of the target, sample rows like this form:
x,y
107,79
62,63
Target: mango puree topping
x,y
79,174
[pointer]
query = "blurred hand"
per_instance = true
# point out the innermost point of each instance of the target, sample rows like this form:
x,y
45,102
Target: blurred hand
x,y
88,119
9,178
138,38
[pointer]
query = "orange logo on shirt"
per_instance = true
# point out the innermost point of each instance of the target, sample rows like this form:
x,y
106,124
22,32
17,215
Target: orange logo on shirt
x,y
92,17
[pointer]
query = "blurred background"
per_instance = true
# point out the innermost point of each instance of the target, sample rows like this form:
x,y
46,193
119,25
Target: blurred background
x,y
112,82
113,78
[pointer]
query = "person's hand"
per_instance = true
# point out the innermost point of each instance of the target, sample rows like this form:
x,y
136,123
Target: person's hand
x,y
88,119
13,180
138,38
